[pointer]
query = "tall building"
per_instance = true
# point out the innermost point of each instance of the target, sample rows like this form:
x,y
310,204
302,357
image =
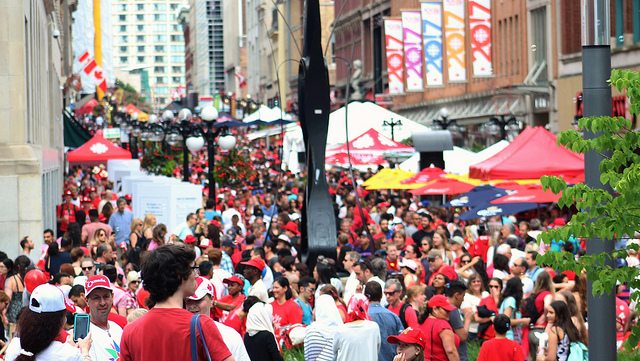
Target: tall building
x,y
35,62
148,37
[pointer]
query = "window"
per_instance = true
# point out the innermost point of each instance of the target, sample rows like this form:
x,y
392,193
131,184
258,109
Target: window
x,y
122,18
140,17
159,69
123,38
176,27
177,48
140,59
140,38
122,7
173,6
172,17
124,59
159,28
123,28
160,48
177,69
162,90
539,41
141,48
177,58
159,17
177,79
140,7
159,7
160,38
124,49
140,27
161,80
177,38
159,59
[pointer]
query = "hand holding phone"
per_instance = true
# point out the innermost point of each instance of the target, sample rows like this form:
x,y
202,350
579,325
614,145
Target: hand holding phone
x,y
81,324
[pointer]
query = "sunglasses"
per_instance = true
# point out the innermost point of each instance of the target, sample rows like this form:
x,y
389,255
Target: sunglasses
x,y
494,286
87,268
390,293
136,282
465,261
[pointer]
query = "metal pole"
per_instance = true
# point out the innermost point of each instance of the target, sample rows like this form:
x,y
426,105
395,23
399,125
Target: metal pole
x,y
596,70
211,150
392,134
185,130
503,127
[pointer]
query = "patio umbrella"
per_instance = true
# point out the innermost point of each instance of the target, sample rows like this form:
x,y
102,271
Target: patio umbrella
x,y
489,210
422,178
443,186
343,159
533,193
384,177
478,195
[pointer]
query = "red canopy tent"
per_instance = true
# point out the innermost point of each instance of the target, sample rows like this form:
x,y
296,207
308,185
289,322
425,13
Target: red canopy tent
x,y
532,154
87,108
342,158
370,146
97,150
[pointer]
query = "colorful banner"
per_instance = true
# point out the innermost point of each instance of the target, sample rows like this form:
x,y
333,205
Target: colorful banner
x,y
480,20
395,61
455,40
432,42
411,25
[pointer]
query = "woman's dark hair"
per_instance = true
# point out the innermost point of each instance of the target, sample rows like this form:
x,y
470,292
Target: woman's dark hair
x,y
249,302
302,268
499,281
563,320
415,249
288,262
284,282
53,249
332,291
213,233
38,330
81,217
502,323
325,273
343,253
501,262
8,262
512,289
480,269
107,211
158,233
74,232
21,264
165,268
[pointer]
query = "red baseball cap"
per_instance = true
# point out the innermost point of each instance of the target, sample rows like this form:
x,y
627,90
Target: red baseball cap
x,y
384,204
558,222
441,301
203,288
67,193
92,189
410,335
255,262
127,197
233,278
98,281
292,227
190,239
86,200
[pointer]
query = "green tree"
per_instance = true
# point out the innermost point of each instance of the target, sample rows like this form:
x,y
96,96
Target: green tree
x,y
601,215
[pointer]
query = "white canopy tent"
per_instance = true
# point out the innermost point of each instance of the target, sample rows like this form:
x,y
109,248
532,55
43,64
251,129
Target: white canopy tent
x,y
364,116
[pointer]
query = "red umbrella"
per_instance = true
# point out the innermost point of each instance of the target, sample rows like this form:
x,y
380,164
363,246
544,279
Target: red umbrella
x,y
444,186
424,176
529,194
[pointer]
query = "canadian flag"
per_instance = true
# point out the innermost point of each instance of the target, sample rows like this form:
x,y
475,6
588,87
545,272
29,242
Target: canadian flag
x,y
242,82
91,68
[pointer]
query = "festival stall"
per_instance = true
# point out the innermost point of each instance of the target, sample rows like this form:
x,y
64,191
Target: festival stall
x,y
97,150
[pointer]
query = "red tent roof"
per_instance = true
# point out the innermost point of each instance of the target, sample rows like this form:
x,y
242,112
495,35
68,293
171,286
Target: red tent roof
x,y
87,108
532,154
98,149
373,141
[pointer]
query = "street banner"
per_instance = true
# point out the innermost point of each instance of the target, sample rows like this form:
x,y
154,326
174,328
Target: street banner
x,y
395,59
455,40
412,28
432,42
480,20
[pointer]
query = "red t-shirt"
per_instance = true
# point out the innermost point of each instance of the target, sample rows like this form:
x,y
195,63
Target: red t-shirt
x,y
501,349
221,315
432,328
66,210
491,305
409,315
445,270
236,323
288,313
164,334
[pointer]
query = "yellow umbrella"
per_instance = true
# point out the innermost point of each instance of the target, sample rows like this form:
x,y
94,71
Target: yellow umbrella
x,y
387,179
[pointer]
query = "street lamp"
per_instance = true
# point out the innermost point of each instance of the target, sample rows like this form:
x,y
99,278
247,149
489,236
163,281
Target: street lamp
x,y
392,124
133,129
444,123
503,126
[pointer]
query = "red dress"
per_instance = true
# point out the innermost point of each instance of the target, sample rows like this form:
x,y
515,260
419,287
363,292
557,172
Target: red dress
x,y
432,327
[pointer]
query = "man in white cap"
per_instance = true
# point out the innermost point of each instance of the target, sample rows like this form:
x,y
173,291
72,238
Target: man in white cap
x,y
200,304
106,334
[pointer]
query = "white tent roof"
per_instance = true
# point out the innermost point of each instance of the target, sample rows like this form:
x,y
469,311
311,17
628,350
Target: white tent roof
x,y
364,116
490,151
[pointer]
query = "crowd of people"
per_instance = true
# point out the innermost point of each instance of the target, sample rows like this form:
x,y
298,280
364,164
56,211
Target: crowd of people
x,y
410,281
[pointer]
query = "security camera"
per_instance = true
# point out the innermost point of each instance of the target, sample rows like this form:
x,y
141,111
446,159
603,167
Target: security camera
x,y
55,33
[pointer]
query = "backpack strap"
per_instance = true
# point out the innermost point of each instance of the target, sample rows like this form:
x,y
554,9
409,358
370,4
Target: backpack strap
x,y
195,322
403,318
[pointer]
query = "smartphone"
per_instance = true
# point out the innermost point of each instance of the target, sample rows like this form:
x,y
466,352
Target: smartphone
x,y
80,326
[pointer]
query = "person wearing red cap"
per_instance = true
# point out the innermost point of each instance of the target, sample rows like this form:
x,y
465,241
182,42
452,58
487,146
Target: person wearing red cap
x,y
106,334
411,344
39,325
66,212
442,342
253,274
163,334
291,230
235,298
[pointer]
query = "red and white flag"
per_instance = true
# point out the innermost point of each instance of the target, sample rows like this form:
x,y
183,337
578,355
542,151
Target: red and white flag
x,y
242,82
92,69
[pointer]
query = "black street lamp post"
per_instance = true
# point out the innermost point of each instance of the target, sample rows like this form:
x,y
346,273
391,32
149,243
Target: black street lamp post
x,y
444,123
392,124
503,125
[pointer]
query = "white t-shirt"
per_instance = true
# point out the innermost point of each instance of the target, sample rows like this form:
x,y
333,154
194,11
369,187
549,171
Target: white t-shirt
x,y
105,344
220,275
357,342
57,351
233,341
471,301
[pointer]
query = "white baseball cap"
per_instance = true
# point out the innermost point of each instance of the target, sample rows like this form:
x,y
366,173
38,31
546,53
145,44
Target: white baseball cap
x,y
203,287
49,298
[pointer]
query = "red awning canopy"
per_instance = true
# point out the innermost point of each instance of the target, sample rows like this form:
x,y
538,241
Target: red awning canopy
x,y
87,108
372,141
532,154
98,149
